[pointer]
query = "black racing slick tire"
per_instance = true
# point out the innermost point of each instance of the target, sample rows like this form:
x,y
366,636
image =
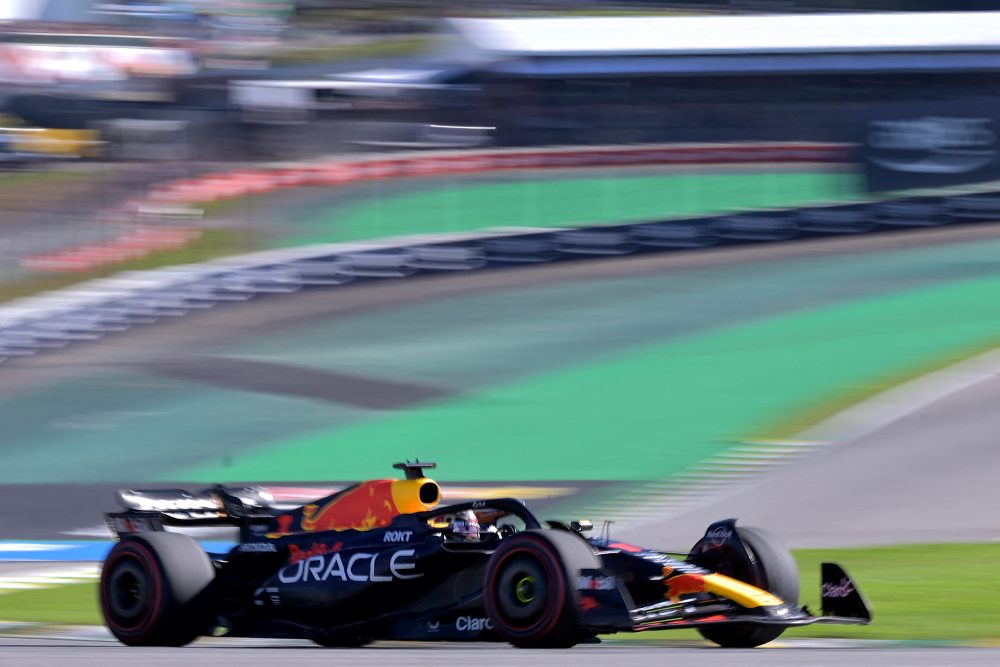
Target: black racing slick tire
x,y
155,590
774,570
530,588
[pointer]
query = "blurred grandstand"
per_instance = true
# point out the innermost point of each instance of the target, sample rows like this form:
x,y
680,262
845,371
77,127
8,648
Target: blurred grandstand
x,y
178,80
182,87
607,80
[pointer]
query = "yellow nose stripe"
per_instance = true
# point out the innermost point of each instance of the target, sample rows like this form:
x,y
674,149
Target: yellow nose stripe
x,y
741,593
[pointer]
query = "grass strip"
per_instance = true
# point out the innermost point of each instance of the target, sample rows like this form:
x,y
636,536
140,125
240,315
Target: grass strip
x,y
46,190
939,591
74,604
917,592
211,244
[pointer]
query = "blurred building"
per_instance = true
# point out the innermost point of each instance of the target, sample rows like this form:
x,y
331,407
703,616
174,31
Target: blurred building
x,y
792,77
539,81
509,82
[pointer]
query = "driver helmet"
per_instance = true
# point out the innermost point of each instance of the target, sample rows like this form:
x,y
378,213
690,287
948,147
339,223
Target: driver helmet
x,y
466,524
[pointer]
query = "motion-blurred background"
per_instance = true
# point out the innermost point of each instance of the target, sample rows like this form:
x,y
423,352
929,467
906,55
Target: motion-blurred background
x,y
291,242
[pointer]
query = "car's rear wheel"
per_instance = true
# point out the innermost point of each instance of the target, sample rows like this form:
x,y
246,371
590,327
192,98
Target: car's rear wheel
x,y
155,590
530,588
771,568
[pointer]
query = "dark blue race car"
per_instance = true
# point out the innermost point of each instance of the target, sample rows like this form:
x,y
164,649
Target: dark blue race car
x,y
383,560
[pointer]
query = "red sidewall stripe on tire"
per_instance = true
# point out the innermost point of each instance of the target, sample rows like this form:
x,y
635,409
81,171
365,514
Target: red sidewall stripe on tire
x,y
149,564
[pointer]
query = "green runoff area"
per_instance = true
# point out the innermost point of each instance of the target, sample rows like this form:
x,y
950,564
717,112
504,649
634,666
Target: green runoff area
x,y
540,199
618,416
917,592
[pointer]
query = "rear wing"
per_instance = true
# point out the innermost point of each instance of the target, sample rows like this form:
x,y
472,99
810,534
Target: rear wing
x,y
153,510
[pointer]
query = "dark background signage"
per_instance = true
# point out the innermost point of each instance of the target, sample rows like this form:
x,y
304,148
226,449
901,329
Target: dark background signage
x,y
930,146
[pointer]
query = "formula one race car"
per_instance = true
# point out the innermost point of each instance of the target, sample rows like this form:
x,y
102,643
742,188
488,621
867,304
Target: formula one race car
x,y
381,560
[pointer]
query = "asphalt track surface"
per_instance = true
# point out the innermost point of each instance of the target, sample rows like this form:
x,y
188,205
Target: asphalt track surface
x,y
238,654
929,476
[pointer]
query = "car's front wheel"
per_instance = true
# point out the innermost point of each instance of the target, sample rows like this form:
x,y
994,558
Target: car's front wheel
x,y
530,588
771,568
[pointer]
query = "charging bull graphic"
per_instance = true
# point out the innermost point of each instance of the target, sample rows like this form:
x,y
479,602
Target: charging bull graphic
x,y
684,584
365,506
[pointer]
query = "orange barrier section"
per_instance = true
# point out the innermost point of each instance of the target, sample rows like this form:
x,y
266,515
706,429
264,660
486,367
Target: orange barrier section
x,y
220,186
133,244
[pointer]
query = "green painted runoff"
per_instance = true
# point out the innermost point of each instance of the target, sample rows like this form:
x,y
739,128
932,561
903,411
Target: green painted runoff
x,y
540,201
650,412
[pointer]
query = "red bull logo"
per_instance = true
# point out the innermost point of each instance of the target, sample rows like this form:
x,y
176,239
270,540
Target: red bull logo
x,y
684,584
297,554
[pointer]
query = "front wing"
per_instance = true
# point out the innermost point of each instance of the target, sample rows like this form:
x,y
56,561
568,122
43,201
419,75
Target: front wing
x,y
605,605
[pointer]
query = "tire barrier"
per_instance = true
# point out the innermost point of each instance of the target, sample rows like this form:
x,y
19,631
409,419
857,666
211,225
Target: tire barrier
x,y
322,272
836,220
525,249
778,226
680,234
983,206
449,258
915,212
389,263
104,307
594,242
